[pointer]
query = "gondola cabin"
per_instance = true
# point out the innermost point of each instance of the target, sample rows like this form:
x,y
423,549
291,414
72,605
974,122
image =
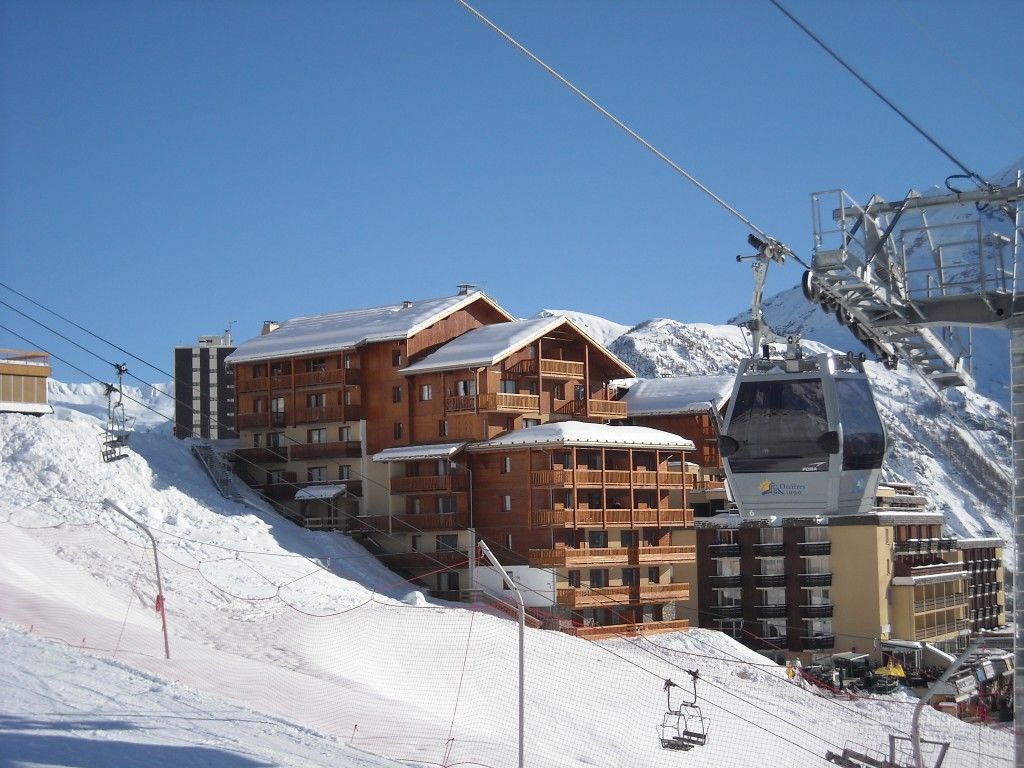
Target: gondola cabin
x,y
802,437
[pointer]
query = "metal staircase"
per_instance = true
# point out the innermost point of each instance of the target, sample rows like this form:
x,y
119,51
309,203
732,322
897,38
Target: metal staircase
x,y
218,468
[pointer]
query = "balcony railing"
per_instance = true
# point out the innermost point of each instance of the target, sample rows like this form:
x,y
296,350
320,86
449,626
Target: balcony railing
x,y
726,611
262,455
252,385
280,381
820,611
938,603
668,554
598,409
618,630
770,579
569,557
505,401
314,378
596,477
725,582
818,642
924,546
331,450
564,369
816,579
428,484
811,548
319,413
937,630
769,550
663,593
249,420
460,403
588,597
775,611
611,518
724,550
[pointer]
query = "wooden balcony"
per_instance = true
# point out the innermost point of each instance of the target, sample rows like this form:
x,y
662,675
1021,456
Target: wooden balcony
x,y
320,378
280,382
572,557
252,385
663,555
262,455
592,597
594,409
250,420
460,404
624,478
629,630
441,521
663,593
428,484
509,403
321,413
611,518
333,450
550,369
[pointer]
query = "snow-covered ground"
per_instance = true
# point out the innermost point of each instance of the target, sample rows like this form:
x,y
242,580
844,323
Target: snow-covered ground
x,y
290,647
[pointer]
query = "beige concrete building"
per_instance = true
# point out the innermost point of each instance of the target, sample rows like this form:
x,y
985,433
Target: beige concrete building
x,y
23,376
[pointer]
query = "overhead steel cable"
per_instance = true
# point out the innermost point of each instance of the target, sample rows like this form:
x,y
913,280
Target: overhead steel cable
x,y
84,330
619,123
928,137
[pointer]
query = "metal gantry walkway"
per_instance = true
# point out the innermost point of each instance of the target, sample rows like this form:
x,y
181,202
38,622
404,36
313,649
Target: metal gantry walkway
x,y
907,278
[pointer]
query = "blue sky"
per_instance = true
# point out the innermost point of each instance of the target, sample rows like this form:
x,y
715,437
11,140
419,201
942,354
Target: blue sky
x,y
169,167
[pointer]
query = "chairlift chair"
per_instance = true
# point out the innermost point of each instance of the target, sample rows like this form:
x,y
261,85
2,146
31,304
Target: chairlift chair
x,y
683,727
118,426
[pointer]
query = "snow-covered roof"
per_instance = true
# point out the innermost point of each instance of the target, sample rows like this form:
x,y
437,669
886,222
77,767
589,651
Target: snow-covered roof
x,y
490,343
678,394
419,452
582,433
319,492
16,406
348,329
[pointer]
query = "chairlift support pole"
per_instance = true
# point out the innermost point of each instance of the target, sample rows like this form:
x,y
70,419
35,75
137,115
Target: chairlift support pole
x,y
156,559
486,551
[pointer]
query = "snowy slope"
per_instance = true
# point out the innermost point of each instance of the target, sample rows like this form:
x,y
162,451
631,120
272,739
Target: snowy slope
x,y
297,627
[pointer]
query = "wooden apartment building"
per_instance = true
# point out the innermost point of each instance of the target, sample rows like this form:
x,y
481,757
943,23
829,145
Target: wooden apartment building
x,y
407,423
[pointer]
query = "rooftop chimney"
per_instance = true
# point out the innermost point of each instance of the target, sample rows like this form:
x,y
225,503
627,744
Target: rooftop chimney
x,y
465,288
269,326
406,304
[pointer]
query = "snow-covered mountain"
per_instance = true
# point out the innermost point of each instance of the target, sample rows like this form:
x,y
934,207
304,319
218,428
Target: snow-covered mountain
x,y
599,329
290,647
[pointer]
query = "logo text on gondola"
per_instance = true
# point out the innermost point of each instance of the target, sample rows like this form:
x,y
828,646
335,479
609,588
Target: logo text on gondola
x,y
771,488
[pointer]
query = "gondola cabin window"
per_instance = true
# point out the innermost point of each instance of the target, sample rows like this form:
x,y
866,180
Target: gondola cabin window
x,y
778,425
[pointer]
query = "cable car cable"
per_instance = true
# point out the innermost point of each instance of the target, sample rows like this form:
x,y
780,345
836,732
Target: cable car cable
x,y
971,174
629,131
